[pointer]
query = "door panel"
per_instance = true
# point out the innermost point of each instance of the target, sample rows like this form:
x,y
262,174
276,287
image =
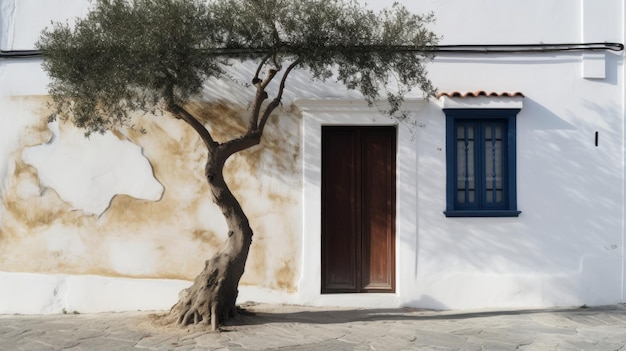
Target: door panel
x,y
358,209
339,199
378,208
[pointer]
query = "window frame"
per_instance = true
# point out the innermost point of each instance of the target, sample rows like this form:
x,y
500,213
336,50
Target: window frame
x,y
478,116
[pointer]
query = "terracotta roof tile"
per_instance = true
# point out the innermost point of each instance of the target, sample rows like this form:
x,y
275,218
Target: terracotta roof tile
x,y
479,93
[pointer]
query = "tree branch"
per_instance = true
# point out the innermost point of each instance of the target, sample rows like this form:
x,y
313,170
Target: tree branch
x,y
270,108
204,134
268,78
260,96
233,146
284,79
255,129
183,114
256,80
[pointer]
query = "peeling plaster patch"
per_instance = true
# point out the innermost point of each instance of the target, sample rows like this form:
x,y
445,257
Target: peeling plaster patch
x,y
132,257
87,173
256,266
27,185
21,123
166,239
26,206
209,217
207,237
285,276
64,245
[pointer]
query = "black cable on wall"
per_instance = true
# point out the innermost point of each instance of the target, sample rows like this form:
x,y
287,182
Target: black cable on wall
x,y
457,49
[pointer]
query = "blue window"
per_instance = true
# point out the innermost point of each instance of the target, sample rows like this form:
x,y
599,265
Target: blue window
x,y
480,167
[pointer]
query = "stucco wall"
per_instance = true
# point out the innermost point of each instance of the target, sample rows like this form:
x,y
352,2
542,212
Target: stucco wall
x,y
566,248
135,204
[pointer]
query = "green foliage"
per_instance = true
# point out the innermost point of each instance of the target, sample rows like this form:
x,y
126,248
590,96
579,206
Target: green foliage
x,y
366,51
139,54
125,56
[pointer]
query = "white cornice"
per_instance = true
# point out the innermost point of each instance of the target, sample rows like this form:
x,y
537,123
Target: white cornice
x,y
515,102
351,105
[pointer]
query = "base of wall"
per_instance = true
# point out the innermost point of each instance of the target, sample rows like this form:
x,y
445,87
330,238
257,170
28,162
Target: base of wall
x,y
31,293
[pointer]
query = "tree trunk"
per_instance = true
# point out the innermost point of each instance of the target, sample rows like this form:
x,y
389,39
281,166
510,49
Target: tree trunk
x,y
211,298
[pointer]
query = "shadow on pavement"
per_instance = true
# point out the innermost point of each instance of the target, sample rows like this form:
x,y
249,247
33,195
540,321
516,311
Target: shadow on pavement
x,y
285,314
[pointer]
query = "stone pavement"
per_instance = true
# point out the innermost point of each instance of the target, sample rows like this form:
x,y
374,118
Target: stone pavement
x,y
278,327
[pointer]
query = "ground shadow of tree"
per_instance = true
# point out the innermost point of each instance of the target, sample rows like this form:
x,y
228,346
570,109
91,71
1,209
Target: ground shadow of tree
x,y
256,316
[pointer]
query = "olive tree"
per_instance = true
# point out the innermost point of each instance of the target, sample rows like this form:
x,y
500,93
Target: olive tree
x,y
155,55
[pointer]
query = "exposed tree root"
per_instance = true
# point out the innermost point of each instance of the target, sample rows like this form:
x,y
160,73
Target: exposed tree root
x,y
211,299
197,304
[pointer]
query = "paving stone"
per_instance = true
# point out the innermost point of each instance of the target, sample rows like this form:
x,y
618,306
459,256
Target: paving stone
x,y
278,327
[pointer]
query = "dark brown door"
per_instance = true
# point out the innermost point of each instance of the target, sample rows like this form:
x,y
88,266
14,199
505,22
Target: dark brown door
x,y
358,209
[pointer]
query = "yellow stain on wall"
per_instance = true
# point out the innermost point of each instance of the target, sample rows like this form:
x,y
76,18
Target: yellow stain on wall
x,y
172,237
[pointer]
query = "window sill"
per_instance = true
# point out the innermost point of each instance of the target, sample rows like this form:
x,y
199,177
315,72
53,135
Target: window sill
x,y
485,213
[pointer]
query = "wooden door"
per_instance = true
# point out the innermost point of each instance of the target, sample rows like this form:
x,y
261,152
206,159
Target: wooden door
x,y
358,209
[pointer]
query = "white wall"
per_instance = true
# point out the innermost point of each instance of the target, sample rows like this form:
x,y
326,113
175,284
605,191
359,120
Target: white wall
x,y
95,207
21,22
567,246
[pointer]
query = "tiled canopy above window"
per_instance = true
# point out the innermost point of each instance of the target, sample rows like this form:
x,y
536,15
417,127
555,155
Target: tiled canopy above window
x,y
480,99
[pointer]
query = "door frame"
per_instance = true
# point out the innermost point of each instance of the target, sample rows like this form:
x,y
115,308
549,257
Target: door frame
x,y
361,259
317,113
